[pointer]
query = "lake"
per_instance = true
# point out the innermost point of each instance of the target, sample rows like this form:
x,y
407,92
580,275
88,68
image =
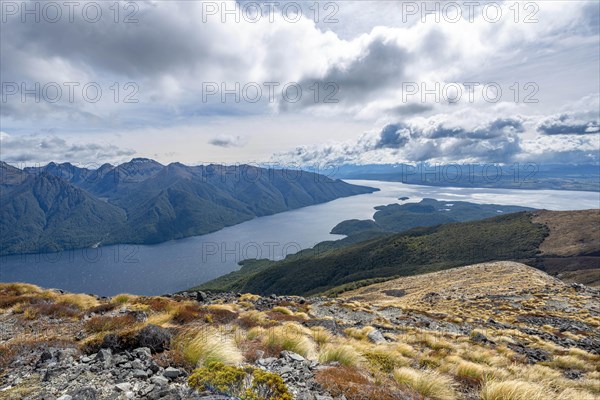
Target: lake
x,y
180,264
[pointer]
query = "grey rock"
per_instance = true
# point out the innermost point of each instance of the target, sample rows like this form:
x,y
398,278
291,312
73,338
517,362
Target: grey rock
x,y
86,393
201,296
171,373
159,380
286,370
123,387
65,397
104,355
154,337
138,373
376,336
142,352
292,356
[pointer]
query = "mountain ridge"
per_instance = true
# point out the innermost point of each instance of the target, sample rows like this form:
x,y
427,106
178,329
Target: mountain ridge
x,y
150,202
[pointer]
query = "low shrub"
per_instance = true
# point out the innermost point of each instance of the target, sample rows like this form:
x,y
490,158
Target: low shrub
x,y
354,384
244,383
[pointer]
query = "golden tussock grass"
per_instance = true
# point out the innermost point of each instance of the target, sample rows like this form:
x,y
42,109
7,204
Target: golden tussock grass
x,y
514,390
81,301
428,384
289,336
359,333
282,310
206,344
124,298
321,336
249,297
344,354
570,362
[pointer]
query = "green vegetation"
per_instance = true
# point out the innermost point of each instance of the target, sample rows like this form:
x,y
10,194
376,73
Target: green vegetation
x,y
428,212
247,383
60,207
420,250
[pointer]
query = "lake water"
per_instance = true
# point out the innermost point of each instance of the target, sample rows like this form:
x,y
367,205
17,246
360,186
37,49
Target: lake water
x,y
180,264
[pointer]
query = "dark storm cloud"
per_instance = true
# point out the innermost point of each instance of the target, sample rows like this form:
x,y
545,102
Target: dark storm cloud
x,y
34,149
156,43
227,141
380,66
410,109
393,136
568,124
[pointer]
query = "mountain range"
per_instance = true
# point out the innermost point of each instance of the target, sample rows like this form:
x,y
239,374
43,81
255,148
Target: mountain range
x,y
584,177
62,206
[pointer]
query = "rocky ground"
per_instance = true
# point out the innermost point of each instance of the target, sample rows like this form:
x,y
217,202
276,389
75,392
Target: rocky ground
x,y
466,332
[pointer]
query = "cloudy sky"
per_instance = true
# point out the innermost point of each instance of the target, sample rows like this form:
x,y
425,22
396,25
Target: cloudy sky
x,y
300,82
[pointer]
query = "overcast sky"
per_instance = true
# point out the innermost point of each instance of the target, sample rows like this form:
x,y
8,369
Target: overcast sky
x,y
336,82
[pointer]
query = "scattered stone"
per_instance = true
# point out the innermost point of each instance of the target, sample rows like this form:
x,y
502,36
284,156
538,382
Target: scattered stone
x,y
86,393
123,387
104,355
201,297
138,373
159,380
376,336
171,373
154,337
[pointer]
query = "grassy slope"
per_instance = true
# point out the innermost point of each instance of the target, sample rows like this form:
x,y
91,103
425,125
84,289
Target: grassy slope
x,y
507,237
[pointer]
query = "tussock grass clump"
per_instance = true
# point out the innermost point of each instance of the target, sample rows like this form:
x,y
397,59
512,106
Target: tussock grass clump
x,y
123,298
160,319
220,313
204,345
185,313
282,310
435,342
7,301
82,301
385,359
428,384
359,334
157,304
472,373
252,318
249,297
573,394
571,362
290,337
321,336
19,289
53,310
514,390
405,349
107,324
344,354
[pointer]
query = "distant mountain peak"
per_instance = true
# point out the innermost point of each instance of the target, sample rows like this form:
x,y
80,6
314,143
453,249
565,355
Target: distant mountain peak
x,y
141,160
